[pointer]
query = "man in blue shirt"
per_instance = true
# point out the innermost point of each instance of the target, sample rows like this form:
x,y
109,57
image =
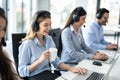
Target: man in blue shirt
x,y
93,34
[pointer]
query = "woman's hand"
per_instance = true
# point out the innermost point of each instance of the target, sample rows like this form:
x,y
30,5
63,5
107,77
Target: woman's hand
x,y
45,55
79,70
100,56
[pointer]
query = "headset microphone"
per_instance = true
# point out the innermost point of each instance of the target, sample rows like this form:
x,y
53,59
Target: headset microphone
x,y
83,25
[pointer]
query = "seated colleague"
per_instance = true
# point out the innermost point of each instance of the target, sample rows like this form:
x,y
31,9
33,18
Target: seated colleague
x,y
93,35
73,46
7,71
34,51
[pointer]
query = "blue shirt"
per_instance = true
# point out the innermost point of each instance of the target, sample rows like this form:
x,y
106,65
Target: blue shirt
x,y
30,51
74,47
94,37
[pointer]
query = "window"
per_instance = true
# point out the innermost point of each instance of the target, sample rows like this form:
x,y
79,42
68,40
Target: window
x,y
19,16
60,10
22,15
114,7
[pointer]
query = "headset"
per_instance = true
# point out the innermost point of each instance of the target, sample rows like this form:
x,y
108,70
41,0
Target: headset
x,y
2,11
100,13
76,15
43,14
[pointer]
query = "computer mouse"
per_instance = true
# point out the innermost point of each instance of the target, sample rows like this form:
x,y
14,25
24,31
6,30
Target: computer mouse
x,y
97,63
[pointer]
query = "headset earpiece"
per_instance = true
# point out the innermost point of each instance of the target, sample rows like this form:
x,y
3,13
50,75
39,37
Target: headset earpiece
x,y
99,15
75,18
76,15
35,26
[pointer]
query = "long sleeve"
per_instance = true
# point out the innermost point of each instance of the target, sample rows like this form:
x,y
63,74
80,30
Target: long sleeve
x,y
94,37
85,47
30,51
70,51
24,60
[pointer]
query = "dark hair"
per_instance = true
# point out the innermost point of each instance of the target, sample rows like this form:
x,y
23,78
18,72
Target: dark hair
x,y
39,14
76,13
2,14
2,11
74,17
100,12
6,70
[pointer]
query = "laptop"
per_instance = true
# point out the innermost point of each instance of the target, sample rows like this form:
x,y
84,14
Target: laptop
x,y
95,75
111,58
89,76
118,49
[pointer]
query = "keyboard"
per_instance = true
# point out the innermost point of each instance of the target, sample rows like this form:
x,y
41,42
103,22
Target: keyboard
x,y
109,60
95,76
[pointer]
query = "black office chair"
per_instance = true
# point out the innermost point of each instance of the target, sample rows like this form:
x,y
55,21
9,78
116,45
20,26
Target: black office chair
x,y
16,38
55,34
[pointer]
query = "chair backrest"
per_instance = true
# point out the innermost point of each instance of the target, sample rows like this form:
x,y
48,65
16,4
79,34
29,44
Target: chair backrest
x,y
16,38
55,34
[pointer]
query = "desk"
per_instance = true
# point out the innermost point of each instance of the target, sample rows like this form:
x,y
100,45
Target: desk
x,y
114,73
88,65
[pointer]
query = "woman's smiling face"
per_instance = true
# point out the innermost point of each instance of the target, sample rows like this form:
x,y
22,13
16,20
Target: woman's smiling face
x,y
44,26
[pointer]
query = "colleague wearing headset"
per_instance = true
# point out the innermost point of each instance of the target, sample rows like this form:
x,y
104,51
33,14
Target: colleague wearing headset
x,y
7,71
72,45
93,35
34,51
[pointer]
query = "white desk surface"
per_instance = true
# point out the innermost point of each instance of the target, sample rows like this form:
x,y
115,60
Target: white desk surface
x,y
115,75
88,65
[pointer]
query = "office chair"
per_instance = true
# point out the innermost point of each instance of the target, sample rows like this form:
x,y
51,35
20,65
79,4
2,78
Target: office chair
x,y
16,38
55,34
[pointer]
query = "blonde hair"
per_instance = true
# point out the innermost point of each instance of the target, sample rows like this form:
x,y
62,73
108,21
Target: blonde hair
x,y
30,35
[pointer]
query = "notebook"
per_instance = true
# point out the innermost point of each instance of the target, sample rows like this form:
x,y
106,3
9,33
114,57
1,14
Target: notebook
x,y
89,76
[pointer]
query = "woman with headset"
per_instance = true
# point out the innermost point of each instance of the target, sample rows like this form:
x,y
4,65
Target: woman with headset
x,y
7,71
72,45
34,51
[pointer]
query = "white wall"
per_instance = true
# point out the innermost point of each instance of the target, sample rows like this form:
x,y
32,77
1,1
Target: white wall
x,y
82,3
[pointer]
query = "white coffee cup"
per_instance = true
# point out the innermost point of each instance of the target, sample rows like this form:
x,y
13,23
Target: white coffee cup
x,y
53,54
